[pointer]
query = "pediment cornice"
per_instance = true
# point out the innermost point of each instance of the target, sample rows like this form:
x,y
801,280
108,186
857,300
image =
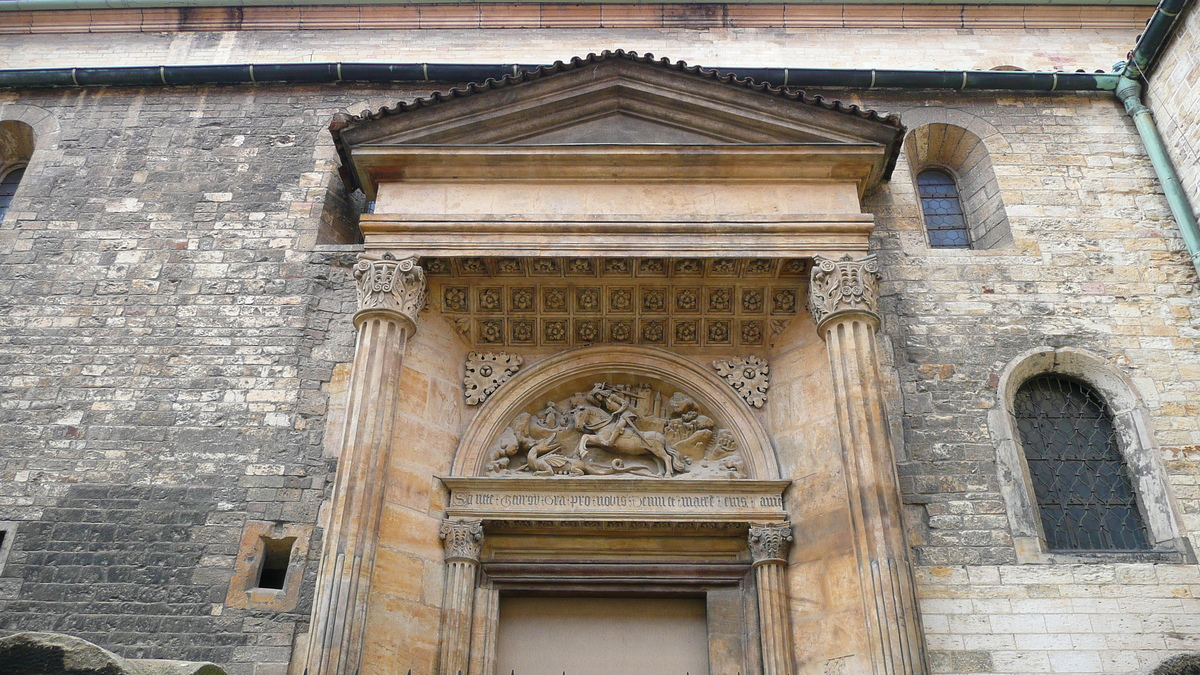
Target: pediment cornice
x,y
615,98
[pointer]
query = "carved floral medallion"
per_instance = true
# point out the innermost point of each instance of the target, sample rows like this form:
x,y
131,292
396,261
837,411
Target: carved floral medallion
x,y
617,430
485,372
749,377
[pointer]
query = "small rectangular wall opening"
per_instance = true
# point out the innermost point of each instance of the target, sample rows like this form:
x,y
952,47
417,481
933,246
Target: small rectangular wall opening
x,y
277,554
602,636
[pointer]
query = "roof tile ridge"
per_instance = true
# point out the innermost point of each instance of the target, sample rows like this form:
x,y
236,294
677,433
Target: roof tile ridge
x,y
523,75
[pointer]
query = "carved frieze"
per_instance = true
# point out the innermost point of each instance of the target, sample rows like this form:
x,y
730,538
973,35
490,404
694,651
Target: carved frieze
x,y
485,372
770,542
390,283
748,375
618,429
462,538
843,285
563,302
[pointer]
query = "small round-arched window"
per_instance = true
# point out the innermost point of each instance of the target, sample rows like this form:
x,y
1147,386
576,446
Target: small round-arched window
x,y
8,188
944,218
1080,480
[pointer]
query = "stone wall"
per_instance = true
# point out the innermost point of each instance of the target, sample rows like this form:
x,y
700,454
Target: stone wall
x,y
796,46
1173,95
1097,264
166,332
402,627
1096,618
169,331
827,619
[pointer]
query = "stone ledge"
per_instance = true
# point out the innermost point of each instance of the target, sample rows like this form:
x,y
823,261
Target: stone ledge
x,y
431,15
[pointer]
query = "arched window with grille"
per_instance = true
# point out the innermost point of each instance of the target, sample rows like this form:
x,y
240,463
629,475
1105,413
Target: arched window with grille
x,y
1080,479
945,221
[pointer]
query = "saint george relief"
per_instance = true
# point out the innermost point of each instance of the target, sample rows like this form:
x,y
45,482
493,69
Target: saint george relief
x,y
617,429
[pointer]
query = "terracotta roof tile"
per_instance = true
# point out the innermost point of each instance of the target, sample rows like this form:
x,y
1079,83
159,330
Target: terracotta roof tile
x,y
345,121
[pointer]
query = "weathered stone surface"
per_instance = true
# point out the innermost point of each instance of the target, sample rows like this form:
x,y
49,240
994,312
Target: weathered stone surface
x,y
58,654
169,328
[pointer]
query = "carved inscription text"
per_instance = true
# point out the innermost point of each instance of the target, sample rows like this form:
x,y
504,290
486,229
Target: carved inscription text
x,y
743,501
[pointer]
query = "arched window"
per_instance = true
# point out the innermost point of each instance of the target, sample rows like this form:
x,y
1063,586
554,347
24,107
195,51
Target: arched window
x,y
8,188
944,218
1080,479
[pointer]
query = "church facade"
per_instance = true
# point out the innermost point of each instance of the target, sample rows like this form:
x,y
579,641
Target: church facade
x,y
471,339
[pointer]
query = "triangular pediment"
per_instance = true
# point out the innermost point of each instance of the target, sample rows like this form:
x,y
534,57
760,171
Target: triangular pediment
x,y
621,128
619,99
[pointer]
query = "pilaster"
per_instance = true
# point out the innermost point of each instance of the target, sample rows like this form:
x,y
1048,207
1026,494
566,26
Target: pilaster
x,y
843,300
391,292
463,539
769,546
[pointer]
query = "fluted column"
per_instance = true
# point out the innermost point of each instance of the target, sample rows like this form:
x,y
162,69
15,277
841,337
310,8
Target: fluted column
x,y
391,292
462,537
769,546
843,297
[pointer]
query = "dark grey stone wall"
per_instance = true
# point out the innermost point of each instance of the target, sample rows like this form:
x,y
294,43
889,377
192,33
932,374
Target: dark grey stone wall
x,y
165,333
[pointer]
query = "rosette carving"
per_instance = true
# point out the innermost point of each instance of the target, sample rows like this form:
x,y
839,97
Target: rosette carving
x,y
390,284
749,377
770,543
842,286
462,538
485,372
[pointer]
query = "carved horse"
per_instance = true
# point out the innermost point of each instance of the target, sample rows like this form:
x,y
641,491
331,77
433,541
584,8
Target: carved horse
x,y
616,433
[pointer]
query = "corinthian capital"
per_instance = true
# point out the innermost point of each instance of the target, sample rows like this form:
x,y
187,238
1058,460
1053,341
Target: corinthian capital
x,y
845,285
386,283
462,538
770,542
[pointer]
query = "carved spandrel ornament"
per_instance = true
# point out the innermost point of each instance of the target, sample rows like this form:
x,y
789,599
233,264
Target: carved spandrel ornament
x,y
842,286
613,430
389,283
748,375
485,372
462,538
770,543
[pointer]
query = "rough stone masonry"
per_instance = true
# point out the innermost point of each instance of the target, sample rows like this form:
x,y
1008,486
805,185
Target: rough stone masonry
x,y
175,296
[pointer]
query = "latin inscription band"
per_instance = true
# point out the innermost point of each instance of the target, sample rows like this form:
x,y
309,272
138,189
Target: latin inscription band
x,y
633,499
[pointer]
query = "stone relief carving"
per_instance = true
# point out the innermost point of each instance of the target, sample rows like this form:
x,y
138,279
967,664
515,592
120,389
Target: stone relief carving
x,y
388,283
770,542
485,372
749,377
843,285
618,430
462,538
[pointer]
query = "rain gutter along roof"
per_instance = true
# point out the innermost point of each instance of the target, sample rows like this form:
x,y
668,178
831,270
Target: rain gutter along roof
x,y
450,73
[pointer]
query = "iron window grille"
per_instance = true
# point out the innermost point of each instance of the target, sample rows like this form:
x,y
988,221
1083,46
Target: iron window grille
x,y
944,218
8,188
1080,480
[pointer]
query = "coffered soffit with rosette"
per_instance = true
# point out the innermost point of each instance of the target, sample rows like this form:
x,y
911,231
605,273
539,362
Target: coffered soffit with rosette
x,y
618,155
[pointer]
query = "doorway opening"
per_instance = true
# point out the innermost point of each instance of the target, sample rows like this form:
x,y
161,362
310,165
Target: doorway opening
x,y
602,636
